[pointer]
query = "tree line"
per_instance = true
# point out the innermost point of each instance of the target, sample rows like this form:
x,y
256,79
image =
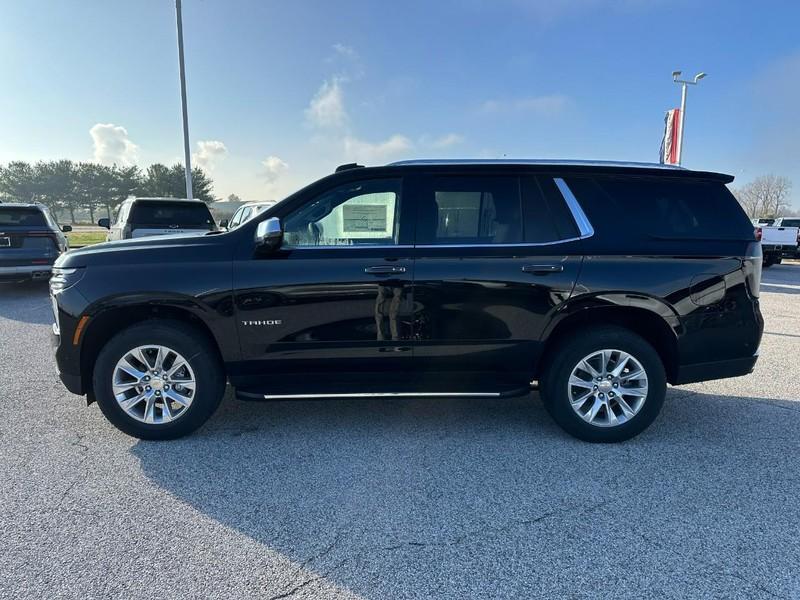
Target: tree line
x,y
766,197
64,185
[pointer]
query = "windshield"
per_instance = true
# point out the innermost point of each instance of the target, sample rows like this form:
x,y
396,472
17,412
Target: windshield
x,y
22,216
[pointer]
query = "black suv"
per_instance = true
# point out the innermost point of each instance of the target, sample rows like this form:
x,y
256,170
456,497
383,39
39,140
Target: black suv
x,y
598,282
30,241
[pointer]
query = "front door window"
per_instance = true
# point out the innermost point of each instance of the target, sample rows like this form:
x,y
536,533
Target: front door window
x,y
364,213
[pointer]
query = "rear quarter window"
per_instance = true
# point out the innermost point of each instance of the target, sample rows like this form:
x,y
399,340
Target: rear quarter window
x,y
668,208
165,214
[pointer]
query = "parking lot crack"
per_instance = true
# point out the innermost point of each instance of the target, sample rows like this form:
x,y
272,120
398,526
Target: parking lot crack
x,y
309,581
484,532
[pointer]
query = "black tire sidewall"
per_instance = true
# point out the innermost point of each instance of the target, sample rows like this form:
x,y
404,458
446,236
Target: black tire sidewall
x,y
570,352
182,338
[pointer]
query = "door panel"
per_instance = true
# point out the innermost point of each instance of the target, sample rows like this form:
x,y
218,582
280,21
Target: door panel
x,y
483,310
320,311
491,268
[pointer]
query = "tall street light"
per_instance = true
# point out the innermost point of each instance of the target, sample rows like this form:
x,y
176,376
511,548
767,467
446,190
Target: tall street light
x,y
684,83
186,151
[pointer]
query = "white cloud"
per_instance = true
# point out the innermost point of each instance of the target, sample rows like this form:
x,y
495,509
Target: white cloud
x,y
274,167
112,145
345,51
208,153
327,109
447,140
547,105
368,152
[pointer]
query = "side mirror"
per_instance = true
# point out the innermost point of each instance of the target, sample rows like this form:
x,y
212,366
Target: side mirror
x,y
104,223
223,224
66,228
269,233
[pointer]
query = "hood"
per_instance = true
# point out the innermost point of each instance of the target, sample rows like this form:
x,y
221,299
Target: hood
x,y
156,249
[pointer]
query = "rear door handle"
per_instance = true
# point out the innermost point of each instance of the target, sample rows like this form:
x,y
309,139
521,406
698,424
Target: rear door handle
x,y
542,269
385,270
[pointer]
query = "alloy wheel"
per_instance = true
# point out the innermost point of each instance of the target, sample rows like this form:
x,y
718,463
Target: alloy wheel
x,y
154,384
607,388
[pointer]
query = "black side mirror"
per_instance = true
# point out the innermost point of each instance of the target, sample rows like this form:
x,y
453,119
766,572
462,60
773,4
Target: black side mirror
x,y
269,234
223,224
66,228
104,223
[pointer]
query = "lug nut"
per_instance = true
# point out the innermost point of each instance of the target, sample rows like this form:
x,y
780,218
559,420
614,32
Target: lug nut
x,y
616,384
158,393
595,387
166,387
148,388
609,377
602,395
147,377
610,394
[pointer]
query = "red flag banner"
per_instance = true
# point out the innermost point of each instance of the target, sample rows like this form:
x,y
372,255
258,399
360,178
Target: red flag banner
x,y
669,143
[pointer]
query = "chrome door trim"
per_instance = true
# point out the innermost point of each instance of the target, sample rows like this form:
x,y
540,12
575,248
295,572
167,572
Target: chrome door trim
x,y
386,395
584,226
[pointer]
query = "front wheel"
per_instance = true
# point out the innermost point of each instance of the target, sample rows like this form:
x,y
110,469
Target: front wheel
x,y
606,385
158,380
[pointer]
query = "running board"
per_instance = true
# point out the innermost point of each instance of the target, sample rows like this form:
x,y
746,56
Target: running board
x,y
243,395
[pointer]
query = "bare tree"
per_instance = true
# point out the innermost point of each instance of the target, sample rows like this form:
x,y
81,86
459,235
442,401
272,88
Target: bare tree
x,y
765,196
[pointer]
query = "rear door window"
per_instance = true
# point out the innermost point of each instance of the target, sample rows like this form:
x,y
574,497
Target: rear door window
x,y
166,214
790,222
667,208
469,210
546,216
21,217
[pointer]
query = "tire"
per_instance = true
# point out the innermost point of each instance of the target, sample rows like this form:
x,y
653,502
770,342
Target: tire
x,y
557,391
204,369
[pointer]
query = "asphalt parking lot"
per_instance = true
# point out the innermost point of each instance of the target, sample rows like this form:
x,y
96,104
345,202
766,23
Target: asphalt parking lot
x,y
401,498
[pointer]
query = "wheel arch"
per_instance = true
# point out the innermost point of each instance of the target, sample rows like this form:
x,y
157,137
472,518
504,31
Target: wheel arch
x,y
105,324
650,325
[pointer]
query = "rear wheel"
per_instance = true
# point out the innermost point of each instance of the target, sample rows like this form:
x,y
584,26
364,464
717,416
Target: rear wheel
x,y
607,385
158,380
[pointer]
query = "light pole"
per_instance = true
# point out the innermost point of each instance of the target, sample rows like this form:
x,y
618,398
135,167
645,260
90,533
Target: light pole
x,y
186,151
684,83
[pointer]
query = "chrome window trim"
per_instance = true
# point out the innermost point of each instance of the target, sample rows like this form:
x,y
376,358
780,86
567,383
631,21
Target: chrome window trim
x,y
584,226
349,247
516,245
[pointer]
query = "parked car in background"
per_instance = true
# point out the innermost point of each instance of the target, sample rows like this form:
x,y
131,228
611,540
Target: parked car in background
x,y
244,213
791,222
602,282
777,242
30,241
142,217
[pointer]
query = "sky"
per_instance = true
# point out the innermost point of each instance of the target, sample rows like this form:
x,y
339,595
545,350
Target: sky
x,y
280,93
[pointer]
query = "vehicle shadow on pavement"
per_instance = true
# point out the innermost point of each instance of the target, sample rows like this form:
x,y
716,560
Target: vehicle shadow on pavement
x,y
27,301
433,498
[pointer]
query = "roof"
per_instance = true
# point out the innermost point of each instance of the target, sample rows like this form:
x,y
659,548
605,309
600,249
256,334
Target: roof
x,y
535,162
137,199
21,205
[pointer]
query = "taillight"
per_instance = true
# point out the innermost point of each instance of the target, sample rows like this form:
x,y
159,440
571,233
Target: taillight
x,y
752,268
759,233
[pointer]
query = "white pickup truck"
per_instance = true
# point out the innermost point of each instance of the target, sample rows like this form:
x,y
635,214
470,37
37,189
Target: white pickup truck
x,y
777,242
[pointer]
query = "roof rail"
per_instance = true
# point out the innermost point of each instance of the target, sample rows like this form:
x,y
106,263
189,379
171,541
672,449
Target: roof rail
x,y
348,166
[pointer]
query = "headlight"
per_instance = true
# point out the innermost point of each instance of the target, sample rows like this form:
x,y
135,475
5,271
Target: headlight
x,y
64,278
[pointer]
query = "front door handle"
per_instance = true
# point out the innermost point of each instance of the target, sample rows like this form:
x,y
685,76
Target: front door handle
x,y
542,269
385,270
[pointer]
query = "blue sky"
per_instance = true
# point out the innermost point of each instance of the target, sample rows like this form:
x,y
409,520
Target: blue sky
x,y
282,92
